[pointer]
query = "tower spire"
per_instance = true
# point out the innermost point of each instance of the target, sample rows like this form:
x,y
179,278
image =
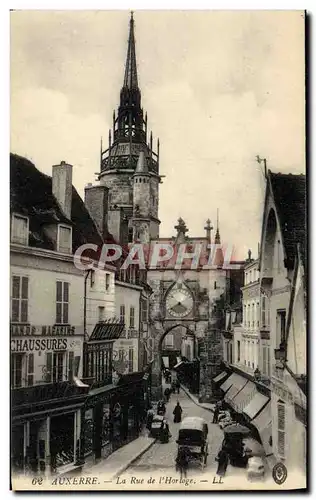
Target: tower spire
x,y
217,235
130,76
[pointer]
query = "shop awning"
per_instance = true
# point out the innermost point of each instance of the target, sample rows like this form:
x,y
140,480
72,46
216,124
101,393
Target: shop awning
x,y
244,396
255,405
219,377
227,384
178,365
238,383
165,360
263,419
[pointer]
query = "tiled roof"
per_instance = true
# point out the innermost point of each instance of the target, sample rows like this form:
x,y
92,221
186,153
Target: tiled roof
x,y
31,194
289,193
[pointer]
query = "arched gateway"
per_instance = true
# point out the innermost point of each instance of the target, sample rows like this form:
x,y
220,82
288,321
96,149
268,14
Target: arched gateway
x,y
186,298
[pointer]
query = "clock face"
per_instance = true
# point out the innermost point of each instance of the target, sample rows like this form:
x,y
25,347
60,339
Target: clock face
x,y
179,302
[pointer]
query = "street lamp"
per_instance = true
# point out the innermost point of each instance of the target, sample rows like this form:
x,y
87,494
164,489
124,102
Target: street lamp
x,y
257,374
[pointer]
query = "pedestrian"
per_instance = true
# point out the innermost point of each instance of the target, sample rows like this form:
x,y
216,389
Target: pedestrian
x,y
167,393
216,413
222,459
150,418
177,413
178,386
182,461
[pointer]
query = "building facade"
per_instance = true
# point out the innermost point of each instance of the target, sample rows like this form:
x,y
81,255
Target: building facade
x,y
282,279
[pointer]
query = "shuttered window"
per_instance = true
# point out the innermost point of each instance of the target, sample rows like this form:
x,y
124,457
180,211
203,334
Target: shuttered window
x,y
64,239
122,313
19,299
132,317
30,369
281,429
130,359
62,302
70,365
20,232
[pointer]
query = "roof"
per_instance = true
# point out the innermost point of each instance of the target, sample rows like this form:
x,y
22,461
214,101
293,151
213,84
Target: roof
x,y
31,195
192,423
289,193
141,164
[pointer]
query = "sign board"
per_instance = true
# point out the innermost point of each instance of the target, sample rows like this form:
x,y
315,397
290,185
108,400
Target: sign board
x,y
46,344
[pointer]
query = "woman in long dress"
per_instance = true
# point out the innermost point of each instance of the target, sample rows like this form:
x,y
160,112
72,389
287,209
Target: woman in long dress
x,y
177,413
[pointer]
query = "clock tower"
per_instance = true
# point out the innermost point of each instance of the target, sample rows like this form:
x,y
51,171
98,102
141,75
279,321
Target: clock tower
x,y
132,198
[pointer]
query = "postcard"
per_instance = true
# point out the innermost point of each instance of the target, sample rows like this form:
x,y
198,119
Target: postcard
x,y
158,250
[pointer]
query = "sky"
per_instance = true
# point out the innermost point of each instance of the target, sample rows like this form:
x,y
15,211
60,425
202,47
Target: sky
x,y
220,88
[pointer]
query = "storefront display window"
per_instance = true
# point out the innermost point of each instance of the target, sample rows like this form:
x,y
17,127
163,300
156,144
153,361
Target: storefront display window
x,y
88,431
62,440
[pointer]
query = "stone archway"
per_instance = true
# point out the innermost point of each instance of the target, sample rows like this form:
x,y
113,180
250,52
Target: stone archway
x,y
157,362
170,329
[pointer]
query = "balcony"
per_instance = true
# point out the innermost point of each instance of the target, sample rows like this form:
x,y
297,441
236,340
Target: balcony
x,y
25,330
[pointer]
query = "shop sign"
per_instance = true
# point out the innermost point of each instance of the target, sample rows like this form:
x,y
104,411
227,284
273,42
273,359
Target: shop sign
x,y
282,392
30,345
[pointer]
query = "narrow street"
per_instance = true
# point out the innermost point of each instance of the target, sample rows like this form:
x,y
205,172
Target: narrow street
x,y
159,460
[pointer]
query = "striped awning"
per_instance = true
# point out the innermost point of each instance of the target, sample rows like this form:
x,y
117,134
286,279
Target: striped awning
x,y
227,384
219,377
238,383
255,405
263,419
244,396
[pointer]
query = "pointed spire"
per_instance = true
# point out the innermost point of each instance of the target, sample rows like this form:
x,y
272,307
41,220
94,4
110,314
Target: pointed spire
x,y
141,164
217,235
130,77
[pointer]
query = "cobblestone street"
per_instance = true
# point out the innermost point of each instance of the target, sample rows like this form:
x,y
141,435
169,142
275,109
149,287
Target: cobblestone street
x,y
159,460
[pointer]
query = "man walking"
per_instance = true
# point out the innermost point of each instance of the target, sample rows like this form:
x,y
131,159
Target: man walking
x,y
182,462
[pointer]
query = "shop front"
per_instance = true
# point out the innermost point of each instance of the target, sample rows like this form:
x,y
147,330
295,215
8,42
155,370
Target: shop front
x,y
46,426
113,415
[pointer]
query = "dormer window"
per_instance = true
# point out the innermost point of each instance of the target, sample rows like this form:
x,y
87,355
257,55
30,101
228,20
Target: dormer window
x,y
20,229
64,239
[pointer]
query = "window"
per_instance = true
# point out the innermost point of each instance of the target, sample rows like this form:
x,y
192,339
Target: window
x,y
64,239
70,365
122,314
62,302
121,355
30,369
20,230
281,429
253,315
215,285
238,351
101,310
130,235
17,370
19,299
169,341
263,311
107,282
54,366
144,310
266,360
130,359
245,316
253,355
132,317
281,324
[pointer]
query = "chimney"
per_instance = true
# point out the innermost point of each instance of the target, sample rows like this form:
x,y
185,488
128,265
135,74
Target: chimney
x,y
62,186
96,201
